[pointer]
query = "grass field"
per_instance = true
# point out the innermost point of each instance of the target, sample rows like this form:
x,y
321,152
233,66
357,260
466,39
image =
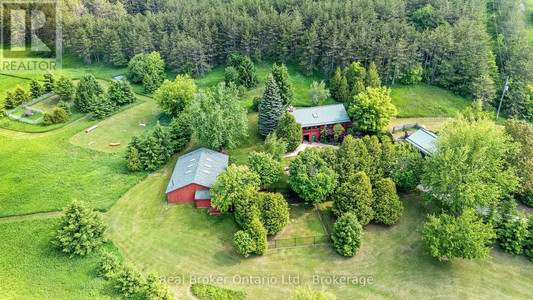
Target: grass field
x,y
182,240
424,100
19,112
118,129
44,172
33,269
48,104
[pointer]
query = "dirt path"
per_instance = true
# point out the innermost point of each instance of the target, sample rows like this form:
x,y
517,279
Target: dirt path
x,y
35,216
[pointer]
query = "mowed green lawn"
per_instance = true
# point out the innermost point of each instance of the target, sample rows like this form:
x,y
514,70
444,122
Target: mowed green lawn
x,y
119,128
178,239
33,269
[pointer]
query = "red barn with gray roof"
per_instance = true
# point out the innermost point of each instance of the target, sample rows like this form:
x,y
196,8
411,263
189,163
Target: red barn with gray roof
x,y
194,175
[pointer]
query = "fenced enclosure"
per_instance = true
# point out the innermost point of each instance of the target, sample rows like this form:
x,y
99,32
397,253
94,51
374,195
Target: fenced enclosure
x,y
407,126
299,242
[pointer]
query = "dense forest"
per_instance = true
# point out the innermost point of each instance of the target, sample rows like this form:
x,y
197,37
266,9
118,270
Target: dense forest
x,y
467,46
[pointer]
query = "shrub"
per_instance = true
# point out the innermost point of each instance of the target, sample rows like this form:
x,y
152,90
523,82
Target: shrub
x,y
256,102
47,119
81,230
64,88
387,206
464,236
413,76
155,289
274,212
133,161
310,177
513,234
205,291
408,167
338,129
120,92
59,115
289,131
258,233
109,264
276,147
231,75
264,165
355,196
64,105
129,281
528,245
307,293
347,234
244,242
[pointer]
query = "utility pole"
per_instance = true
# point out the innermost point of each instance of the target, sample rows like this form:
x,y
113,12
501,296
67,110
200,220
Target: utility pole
x,y
505,88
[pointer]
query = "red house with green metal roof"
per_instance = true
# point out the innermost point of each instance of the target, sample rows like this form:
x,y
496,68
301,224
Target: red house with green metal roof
x,y
317,118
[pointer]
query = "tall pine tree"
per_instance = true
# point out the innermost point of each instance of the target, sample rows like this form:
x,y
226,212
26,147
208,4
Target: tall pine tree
x,y
271,108
281,76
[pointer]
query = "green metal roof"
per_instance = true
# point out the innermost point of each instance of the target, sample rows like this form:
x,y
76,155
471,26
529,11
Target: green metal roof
x,y
202,195
423,140
201,167
321,115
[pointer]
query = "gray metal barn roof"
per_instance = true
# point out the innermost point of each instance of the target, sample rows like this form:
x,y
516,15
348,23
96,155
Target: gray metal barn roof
x,y
321,115
201,167
423,140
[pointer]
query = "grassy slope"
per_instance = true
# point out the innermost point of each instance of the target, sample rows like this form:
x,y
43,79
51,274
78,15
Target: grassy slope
x,y
423,100
182,240
45,173
33,269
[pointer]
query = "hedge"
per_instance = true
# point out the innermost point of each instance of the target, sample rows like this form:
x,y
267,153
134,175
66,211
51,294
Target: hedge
x,y
211,292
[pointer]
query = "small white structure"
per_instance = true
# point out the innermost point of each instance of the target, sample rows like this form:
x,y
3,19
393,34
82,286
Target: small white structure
x,y
142,124
91,128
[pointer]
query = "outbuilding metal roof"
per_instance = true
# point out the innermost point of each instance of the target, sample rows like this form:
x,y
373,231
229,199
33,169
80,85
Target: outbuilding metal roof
x,y
423,140
201,167
321,115
202,195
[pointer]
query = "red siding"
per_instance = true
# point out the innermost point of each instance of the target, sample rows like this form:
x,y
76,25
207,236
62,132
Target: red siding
x,y
203,203
316,130
185,194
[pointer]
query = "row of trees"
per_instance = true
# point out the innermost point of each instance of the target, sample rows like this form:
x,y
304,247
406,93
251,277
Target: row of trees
x,y
360,176
91,98
447,45
258,213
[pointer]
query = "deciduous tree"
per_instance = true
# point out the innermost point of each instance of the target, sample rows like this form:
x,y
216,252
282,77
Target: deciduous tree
x,y
230,184
175,96
372,109
289,131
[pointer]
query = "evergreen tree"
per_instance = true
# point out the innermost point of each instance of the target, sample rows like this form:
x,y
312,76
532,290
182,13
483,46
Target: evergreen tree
x,y
65,106
282,79
352,157
231,75
59,115
289,131
133,161
375,167
408,167
155,289
120,92
81,231
244,243
86,91
274,212
247,73
48,82
180,130
64,88
514,232
355,196
246,204
347,234
258,233
372,76
387,206
109,265
129,281
36,89
335,85
271,108
100,107
275,147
